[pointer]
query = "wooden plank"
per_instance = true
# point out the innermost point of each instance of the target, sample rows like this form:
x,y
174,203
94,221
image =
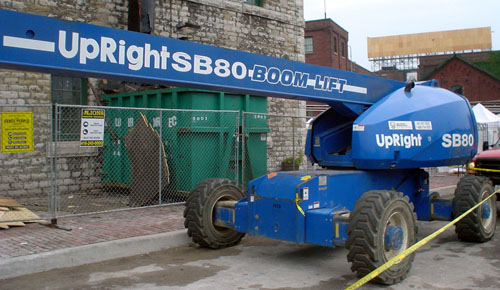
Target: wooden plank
x,y
9,202
27,214
18,214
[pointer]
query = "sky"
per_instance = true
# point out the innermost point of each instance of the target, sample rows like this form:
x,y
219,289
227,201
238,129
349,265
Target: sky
x,y
374,18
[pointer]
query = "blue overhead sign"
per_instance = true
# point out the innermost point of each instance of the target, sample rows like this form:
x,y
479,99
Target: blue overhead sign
x,y
38,43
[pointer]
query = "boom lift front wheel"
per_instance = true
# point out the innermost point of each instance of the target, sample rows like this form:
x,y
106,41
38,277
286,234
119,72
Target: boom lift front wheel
x,y
479,225
198,214
381,226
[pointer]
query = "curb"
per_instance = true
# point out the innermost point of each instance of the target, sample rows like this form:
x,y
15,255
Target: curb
x,y
93,253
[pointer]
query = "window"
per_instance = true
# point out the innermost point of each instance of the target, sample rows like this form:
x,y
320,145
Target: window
x,y
342,49
254,2
458,89
68,91
309,44
335,44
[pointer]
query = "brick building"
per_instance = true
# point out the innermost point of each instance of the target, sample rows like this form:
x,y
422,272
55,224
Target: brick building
x,y
272,27
327,44
462,76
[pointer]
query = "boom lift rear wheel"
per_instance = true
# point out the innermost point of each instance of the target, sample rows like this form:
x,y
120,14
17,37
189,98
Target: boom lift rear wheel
x,y
381,226
478,226
198,214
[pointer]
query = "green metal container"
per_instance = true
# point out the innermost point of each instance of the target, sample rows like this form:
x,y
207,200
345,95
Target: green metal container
x,y
199,145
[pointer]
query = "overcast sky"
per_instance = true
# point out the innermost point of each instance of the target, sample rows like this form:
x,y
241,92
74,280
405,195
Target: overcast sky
x,y
372,18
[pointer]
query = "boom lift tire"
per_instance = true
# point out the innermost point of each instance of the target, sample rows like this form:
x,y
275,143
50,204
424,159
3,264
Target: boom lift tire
x,y
478,226
368,229
198,214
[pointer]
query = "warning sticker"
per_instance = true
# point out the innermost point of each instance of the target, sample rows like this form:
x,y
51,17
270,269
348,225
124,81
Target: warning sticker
x,y
423,125
17,132
305,193
400,125
358,127
92,128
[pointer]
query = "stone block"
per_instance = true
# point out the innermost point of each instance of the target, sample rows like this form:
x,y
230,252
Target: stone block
x,y
31,185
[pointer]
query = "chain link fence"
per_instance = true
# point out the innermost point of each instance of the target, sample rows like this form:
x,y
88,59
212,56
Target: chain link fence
x,y
26,171
143,157
272,143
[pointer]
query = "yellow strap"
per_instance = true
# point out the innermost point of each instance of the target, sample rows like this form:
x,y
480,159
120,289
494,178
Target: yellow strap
x,y
483,169
412,249
297,200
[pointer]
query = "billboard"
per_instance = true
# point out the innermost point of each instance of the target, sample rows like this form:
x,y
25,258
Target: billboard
x,y
430,42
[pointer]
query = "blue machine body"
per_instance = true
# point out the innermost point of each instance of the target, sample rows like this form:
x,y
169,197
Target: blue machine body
x,y
375,136
425,127
313,206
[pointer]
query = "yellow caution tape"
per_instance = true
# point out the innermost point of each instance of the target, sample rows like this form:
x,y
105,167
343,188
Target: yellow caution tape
x,y
483,169
413,248
297,200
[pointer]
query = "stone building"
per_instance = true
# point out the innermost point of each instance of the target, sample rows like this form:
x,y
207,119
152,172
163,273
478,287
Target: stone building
x,y
271,27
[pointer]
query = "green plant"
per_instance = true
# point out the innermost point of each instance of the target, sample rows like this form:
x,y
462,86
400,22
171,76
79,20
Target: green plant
x,y
297,160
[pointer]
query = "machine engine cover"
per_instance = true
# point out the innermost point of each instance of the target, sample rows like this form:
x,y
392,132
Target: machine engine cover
x,y
425,127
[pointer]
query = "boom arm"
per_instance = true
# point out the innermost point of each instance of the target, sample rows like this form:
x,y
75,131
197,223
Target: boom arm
x,y
372,123
37,43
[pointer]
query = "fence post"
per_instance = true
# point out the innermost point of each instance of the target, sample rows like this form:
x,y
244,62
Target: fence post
x,y
54,126
243,148
236,151
160,156
293,142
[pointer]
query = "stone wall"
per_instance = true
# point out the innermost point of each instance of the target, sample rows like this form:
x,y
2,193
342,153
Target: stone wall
x,y
276,29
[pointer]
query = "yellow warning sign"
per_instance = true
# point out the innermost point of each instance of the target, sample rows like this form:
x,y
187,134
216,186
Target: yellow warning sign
x,y
17,132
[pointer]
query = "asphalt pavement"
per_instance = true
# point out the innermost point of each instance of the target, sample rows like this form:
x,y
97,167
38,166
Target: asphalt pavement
x,y
260,263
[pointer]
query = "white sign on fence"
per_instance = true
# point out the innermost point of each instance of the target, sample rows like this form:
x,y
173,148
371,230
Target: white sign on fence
x,y
92,128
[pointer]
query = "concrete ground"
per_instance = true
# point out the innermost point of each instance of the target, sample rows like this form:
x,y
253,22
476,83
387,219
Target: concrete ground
x,y
36,248
259,263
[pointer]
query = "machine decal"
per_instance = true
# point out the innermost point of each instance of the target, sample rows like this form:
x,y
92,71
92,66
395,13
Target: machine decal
x,y
457,140
358,127
399,140
271,175
322,180
305,193
423,125
305,177
400,125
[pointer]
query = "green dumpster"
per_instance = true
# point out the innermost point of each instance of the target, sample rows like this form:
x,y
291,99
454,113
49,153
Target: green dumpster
x,y
198,144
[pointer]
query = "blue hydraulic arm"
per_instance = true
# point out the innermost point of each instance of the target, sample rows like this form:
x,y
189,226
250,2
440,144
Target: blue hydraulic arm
x,y
372,123
37,43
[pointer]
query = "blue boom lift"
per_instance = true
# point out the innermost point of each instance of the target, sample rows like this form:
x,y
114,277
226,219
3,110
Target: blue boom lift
x,y
372,143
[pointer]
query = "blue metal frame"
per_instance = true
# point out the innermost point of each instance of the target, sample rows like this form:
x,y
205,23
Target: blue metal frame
x,y
314,207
